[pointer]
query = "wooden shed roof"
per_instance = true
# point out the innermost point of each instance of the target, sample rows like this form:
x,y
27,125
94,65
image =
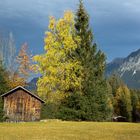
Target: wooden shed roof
x,y
22,88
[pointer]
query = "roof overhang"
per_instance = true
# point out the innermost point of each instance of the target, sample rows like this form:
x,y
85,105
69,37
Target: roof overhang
x,y
24,89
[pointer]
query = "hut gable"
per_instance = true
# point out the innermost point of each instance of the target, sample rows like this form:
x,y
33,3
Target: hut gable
x,y
22,88
22,105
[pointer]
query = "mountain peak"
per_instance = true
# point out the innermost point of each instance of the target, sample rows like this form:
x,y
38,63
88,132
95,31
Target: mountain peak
x,y
133,54
128,68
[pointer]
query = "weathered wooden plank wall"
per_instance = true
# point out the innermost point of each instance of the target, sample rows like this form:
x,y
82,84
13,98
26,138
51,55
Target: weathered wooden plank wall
x,y
21,106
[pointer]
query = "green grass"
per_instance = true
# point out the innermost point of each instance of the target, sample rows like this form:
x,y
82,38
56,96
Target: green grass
x,y
69,131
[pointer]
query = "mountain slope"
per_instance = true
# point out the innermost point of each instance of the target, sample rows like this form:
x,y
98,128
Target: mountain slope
x,y
32,84
128,68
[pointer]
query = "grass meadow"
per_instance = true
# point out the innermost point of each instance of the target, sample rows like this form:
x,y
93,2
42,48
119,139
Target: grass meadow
x,y
59,130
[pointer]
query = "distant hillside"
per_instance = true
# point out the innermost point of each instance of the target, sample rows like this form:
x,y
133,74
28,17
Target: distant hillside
x,y
128,68
32,84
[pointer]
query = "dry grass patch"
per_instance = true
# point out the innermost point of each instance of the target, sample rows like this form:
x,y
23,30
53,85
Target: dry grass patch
x,y
59,130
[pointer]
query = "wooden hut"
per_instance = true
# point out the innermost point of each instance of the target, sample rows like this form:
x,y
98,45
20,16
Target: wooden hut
x,y
22,105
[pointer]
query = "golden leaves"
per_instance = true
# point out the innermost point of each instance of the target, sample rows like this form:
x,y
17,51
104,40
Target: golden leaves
x,y
59,68
52,23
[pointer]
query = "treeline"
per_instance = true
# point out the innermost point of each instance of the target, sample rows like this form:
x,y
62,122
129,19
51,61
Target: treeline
x,y
73,82
126,102
72,68
72,78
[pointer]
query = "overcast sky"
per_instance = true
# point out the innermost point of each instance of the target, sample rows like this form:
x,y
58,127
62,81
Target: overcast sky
x,y
116,24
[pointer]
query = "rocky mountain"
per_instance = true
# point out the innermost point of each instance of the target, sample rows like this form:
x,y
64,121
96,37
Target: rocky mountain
x,y
127,68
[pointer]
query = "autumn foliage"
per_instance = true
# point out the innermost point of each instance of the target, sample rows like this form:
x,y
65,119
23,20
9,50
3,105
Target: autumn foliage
x,y
58,65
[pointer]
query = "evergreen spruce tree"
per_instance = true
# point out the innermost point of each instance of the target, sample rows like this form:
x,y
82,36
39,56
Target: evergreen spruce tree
x,y
94,87
135,101
93,60
73,108
4,87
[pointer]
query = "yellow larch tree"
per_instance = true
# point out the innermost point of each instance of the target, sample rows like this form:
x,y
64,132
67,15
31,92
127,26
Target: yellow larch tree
x,y
123,102
60,70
